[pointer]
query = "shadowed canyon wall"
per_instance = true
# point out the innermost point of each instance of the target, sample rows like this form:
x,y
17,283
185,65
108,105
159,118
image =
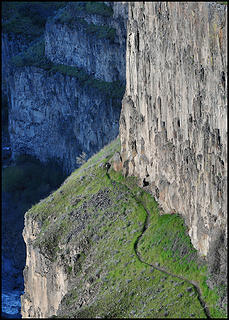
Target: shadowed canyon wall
x,y
173,126
65,87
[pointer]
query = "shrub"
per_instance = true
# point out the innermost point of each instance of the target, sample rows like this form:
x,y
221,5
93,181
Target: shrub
x,y
34,178
112,89
82,158
69,16
12,179
33,56
99,8
27,18
102,32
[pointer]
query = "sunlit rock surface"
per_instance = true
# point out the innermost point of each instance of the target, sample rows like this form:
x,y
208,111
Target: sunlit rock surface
x,y
173,125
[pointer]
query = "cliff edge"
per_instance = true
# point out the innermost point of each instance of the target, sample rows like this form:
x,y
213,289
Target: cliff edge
x,y
99,247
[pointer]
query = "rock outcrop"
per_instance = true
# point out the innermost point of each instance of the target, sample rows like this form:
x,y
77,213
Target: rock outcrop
x,y
173,126
45,282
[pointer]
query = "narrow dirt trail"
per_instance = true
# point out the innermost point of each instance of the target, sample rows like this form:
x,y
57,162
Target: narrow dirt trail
x,y
193,283
145,226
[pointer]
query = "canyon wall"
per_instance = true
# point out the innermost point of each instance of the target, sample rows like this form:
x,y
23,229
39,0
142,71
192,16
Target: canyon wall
x,y
71,104
173,125
52,116
45,282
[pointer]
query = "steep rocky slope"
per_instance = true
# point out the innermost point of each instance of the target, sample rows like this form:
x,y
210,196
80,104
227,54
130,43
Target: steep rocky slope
x,y
83,247
173,126
65,86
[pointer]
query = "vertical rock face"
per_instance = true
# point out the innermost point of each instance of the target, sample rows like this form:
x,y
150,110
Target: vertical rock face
x,y
71,45
52,114
173,125
45,282
11,45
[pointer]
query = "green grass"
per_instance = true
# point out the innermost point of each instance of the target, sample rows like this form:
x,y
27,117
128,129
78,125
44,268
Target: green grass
x,y
69,16
104,217
27,18
166,241
99,8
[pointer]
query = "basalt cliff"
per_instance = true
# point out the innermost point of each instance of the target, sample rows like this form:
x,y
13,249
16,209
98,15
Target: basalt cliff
x,y
173,125
100,245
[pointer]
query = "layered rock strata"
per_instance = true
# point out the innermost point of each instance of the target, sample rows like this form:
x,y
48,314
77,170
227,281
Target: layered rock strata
x,y
73,44
52,114
173,126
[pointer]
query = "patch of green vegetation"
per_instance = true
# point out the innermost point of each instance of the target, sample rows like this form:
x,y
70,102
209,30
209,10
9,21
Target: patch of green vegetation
x,y
33,56
27,18
101,219
102,32
111,89
71,297
166,242
99,8
31,179
70,17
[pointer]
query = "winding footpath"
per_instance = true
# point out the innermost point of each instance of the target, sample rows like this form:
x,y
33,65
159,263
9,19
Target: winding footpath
x,y
145,226
193,283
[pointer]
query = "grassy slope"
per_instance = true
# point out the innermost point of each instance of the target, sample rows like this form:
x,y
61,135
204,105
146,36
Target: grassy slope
x,y
91,223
